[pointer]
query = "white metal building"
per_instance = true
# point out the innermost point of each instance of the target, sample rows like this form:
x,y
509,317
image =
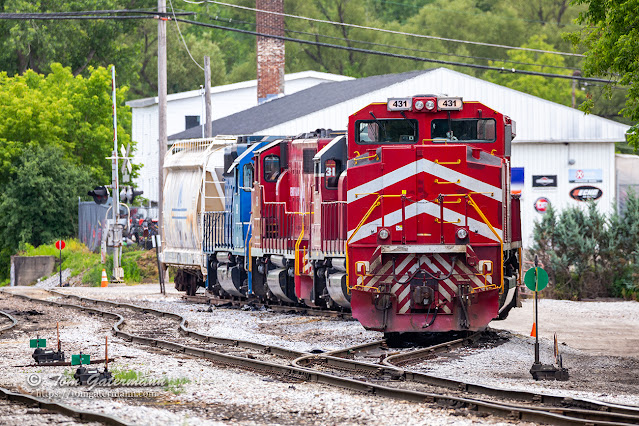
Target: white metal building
x,y
558,150
186,109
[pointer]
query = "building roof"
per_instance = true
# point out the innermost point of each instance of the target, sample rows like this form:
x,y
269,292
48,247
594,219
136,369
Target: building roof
x,y
145,102
329,104
296,105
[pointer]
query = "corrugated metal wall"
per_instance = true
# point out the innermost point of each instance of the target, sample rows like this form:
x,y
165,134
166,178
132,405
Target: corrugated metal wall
x,y
553,159
91,222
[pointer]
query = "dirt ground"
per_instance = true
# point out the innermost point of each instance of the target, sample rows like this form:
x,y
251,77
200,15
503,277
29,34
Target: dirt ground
x,y
596,327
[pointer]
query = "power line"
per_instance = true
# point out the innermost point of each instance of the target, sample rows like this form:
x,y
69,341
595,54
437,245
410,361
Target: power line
x,y
399,56
231,21
91,14
502,46
182,37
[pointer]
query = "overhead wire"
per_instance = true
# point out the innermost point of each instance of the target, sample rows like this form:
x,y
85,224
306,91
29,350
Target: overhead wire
x,y
90,14
370,43
363,27
399,56
182,37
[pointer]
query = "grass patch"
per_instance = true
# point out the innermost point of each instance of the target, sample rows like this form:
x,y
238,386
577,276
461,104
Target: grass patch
x,y
176,385
139,265
126,375
75,256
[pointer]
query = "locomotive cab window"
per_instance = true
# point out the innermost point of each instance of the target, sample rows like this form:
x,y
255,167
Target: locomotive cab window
x,y
333,168
271,168
472,129
247,183
386,131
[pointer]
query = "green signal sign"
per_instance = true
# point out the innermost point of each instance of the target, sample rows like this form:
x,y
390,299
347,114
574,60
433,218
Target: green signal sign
x,y
38,343
536,279
80,359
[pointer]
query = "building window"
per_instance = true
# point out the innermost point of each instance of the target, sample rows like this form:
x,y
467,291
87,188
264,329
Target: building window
x,y
191,121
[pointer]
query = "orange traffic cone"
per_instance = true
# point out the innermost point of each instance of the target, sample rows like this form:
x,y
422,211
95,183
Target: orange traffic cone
x,y
534,330
105,281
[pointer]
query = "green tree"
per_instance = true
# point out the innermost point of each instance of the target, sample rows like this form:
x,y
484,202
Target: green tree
x,y
39,203
556,90
611,38
71,113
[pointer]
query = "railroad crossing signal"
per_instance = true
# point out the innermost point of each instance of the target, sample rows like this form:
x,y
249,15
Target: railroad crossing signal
x,y
38,343
128,194
80,359
100,194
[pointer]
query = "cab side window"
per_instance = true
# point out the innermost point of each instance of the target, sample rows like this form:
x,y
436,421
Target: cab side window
x,y
271,168
332,170
247,183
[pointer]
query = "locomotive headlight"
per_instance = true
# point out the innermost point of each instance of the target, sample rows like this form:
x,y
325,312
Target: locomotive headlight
x,y
462,233
419,105
429,105
384,234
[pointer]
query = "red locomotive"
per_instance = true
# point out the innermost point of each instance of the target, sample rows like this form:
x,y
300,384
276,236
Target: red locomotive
x,y
407,219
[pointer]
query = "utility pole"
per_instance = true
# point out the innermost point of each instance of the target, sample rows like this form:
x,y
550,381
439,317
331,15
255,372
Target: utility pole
x,y
162,136
207,93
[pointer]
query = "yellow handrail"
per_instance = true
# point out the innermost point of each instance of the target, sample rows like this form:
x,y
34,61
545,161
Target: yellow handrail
x,y
445,182
501,242
297,244
446,221
375,204
448,162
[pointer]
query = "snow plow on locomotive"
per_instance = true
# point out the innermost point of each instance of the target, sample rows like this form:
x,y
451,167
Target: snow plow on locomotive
x,y
407,219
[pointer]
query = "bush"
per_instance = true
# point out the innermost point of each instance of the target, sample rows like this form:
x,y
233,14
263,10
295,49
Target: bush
x,y
587,254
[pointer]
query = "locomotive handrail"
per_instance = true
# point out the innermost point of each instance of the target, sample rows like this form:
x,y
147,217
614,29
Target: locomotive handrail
x,y
501,242
297,246
448,162
437,140
445,182
361,223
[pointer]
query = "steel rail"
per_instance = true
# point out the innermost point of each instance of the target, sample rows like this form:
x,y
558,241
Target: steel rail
x,y
212,300
183,327
400,359
86,416
523,413
21,398
14,322
575,406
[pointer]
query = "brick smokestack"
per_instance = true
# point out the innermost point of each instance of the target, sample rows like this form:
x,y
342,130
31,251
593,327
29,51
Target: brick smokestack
x,y
270,51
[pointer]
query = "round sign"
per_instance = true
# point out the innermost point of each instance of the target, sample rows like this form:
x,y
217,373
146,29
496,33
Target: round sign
x,y
59,244
586,193
536,282
541,205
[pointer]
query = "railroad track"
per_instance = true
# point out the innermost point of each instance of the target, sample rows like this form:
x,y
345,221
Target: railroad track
x,y
386,380
237,303
6,318
42,404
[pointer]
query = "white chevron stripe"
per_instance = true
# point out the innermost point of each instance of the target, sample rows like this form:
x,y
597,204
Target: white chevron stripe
x,y
463,268
431,209
403,296
399,269
430,167
446,310
449,283
379,274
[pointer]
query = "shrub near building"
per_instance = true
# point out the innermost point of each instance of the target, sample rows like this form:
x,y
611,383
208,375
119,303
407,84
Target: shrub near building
x,y
588,254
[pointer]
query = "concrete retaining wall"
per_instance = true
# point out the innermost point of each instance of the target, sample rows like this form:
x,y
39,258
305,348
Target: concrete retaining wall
x,y
26,270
